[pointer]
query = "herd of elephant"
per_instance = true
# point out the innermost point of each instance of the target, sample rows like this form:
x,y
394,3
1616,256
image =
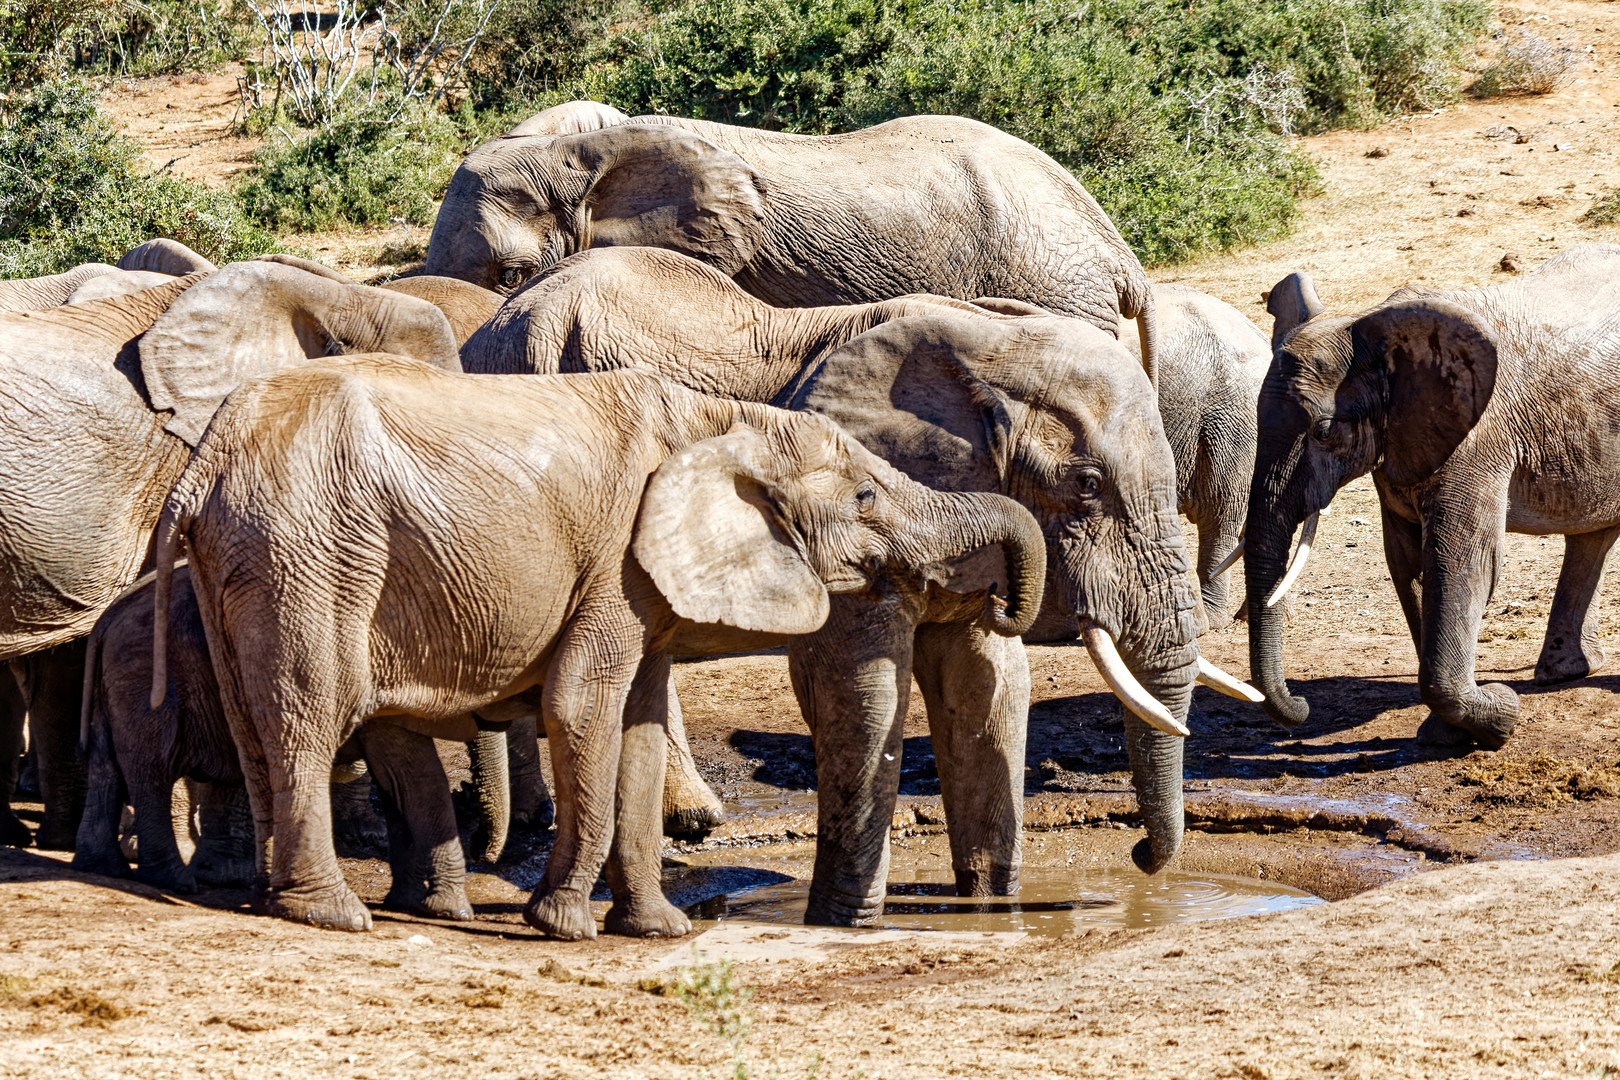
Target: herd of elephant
x,y
898,400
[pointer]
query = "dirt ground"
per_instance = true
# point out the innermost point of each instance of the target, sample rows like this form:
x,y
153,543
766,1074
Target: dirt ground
x,y
1492,961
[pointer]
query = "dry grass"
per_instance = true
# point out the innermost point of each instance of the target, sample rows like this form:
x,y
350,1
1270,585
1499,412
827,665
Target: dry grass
x,y
1527,64
1539,781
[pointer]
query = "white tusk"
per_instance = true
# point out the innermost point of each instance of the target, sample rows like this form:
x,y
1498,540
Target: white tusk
x,y
1124,684
1296,565
1226,564
1216,679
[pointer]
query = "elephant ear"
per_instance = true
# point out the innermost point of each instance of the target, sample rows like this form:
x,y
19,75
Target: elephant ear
x,y
907,391
713,540
253,318
164,256
653,185
569,118
1292,302
1439,360
121,283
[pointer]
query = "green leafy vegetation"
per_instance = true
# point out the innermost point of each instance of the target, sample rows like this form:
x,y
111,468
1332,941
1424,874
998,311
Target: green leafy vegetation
x,y
73,189
43,39
1606,211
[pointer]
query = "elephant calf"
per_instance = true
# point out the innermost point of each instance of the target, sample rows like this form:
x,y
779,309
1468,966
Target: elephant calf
x,y
145,751
377,537
1478,413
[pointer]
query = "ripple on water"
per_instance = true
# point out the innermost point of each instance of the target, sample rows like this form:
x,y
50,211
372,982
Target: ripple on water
x,y
1049,901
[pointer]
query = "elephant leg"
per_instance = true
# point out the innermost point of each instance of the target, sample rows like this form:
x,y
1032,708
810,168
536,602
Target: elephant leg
x,y
853,681
224,855
584,700
53,688
158,861
691,809
1572,648
635,865
1216,539
532,810
976,687
356,827
1462,555
306,884
96,848
13,715
409,773
1403,552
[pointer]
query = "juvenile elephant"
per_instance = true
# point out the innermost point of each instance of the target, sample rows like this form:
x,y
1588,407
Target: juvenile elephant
x,y
142,752
382,539
1478,412
938,204
1209,380
1047,410
100,403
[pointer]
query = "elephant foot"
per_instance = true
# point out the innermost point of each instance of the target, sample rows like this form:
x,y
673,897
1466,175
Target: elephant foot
x,y
564,914
330,907
13,833
1560,664
55,834
222,870
653,917
692,823
998,881
355,825
445,902
842,910
1488,716
539,820
106,863
175,878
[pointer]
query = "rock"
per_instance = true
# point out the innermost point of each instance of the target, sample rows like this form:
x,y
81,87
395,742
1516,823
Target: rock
x,y
1512,263
1378,151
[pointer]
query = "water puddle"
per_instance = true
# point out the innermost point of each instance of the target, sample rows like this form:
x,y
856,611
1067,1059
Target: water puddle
x,y
1050,901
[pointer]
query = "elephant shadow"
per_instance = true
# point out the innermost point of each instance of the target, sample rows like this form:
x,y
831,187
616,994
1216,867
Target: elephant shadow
x,y
789,761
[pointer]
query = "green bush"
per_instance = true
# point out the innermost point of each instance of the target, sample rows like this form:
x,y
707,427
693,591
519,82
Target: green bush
x,y
1606,211
1173,113
42,39
72,190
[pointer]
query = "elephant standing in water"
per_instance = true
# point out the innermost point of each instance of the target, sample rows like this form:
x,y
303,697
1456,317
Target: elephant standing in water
x,y
379,538
935,204
1479,412
100,403
1047,410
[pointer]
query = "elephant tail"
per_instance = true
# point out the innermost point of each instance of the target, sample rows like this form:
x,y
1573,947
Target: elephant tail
x,y
92,653
1147,329
179,509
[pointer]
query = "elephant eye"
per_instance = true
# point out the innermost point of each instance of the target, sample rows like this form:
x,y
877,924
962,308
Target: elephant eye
x,y
511,277
1088,483
1322,428
865,498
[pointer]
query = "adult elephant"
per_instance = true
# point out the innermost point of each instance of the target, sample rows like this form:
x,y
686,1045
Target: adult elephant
x,y
1209,380
100,404
938,204
1047,410
1478,412
383,539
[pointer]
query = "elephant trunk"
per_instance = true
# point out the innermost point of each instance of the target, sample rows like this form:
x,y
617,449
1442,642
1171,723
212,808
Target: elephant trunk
x,y
493,790
973,520
1265,554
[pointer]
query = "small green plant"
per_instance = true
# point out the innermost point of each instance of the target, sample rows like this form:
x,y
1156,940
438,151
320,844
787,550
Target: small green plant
x,y
1606,211
718,1000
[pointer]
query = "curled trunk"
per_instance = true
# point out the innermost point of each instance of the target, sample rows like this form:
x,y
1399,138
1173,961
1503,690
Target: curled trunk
x,y
1264,560
972,520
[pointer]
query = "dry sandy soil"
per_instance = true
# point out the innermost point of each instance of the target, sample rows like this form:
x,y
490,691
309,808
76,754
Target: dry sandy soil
x,y
1493,961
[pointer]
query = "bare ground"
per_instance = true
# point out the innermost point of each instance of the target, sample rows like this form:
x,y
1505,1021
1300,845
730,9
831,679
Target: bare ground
x,y
1494,961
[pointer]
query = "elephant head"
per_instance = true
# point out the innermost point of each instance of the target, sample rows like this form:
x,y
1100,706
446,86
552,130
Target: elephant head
x,y
753,530
1397,388
255,317
522,202
1055,414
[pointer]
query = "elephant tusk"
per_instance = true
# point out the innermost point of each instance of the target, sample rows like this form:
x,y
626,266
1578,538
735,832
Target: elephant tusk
x,y
1226,564
1124,685
1218,680
1296,565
